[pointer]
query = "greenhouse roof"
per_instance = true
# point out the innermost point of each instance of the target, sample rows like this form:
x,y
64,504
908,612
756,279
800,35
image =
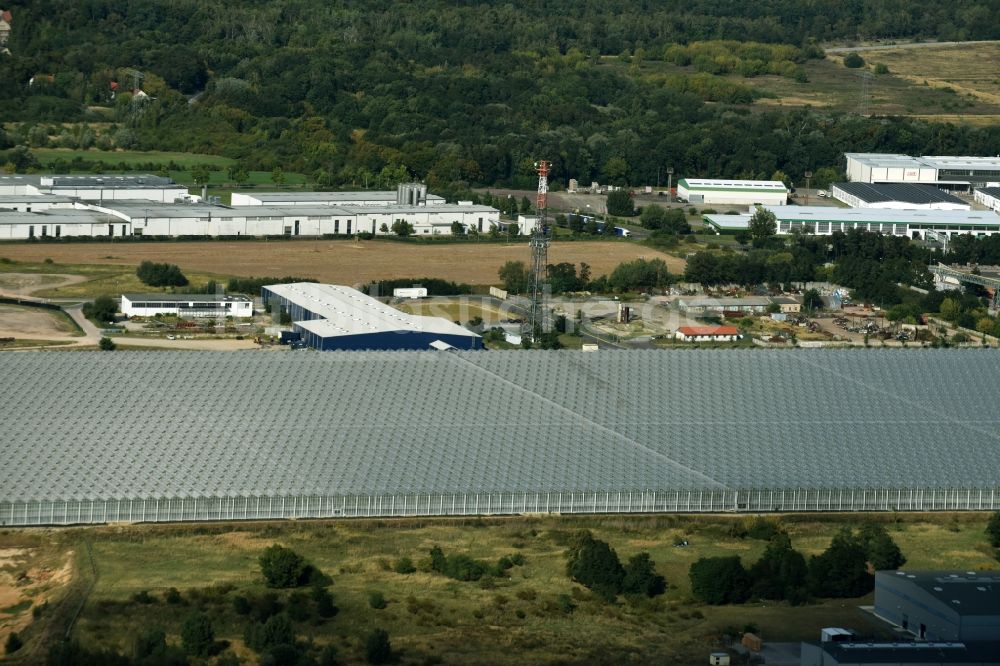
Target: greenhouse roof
x,y
199,424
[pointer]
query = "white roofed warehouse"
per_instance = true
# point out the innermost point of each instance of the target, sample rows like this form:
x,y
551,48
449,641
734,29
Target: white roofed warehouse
x,y
331,317
733,192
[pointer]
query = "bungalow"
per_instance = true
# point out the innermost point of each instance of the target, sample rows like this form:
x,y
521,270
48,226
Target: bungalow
x,y
787,305
707,334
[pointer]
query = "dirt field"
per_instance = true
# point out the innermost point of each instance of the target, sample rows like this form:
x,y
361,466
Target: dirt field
x,y
21,322
341,262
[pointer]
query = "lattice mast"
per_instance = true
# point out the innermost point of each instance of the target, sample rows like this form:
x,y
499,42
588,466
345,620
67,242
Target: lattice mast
x,y
539,255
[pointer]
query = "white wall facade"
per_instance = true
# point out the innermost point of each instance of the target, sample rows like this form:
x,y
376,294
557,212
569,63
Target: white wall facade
x,y
42,227
732,193
857,202
990,201
198,306
158,194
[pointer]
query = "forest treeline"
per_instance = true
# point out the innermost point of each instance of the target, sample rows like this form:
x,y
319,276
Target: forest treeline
x,y
463,92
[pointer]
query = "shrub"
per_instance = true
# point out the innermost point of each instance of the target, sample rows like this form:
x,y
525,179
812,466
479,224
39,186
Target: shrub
x,y
404,565
161,275
595,564
993,529
102,309
172,596
283,567
853,61
278,630
377,600
143,597
241,605
841,571
14,643
641,578
325,607
298,607
197,635
720,580
378,649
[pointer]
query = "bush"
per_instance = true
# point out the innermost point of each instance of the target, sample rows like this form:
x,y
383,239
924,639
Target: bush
x,y
404,565
14,643
197,635
993,529
881,551
595,564
641,578
278,630
172,596
325,607
853,61
161,275
841,571
102,309
377,600
620,203
378,649
720,580
283,567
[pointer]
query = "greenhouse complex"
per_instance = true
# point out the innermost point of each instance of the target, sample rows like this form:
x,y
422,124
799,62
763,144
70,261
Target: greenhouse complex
x,y
184,436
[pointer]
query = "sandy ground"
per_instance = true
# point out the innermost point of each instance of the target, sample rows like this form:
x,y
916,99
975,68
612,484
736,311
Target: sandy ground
x,y
34,323
23,579
341,262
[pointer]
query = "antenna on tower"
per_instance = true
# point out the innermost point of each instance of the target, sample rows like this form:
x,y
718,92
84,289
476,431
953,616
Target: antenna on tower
x,y
539,255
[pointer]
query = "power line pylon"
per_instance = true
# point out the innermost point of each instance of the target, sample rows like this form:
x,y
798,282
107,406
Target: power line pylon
x,y
539,255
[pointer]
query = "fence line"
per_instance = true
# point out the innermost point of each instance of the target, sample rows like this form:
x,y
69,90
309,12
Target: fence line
x,y
179,509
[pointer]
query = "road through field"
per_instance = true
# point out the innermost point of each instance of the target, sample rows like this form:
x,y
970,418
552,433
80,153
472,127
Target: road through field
x,y
340,262
912,45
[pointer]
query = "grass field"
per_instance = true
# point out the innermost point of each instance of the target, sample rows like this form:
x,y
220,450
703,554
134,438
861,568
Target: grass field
x,y
947,83
514,620
97,279
112,264
944,83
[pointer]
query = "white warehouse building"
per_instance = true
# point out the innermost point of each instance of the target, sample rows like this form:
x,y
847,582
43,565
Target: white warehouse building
x,y
948,172
59,222
825,220
99,188
733,192
896,196
186,305
414,194
213,220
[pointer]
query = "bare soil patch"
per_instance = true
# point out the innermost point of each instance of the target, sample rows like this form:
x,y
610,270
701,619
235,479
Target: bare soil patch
x,y
34,323
342,262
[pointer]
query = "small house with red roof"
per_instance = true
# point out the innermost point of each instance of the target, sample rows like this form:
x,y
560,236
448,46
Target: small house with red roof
x,y
6,18
707,334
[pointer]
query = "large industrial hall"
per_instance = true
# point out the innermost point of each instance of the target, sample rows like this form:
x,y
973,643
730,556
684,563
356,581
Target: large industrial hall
x,y
172,436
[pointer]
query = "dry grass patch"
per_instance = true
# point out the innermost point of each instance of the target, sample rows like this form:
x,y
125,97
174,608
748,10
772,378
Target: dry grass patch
x,y
338,262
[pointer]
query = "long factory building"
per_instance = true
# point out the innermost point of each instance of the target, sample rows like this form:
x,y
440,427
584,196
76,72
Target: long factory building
x,y
825,220
134,206
250,435
957,173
